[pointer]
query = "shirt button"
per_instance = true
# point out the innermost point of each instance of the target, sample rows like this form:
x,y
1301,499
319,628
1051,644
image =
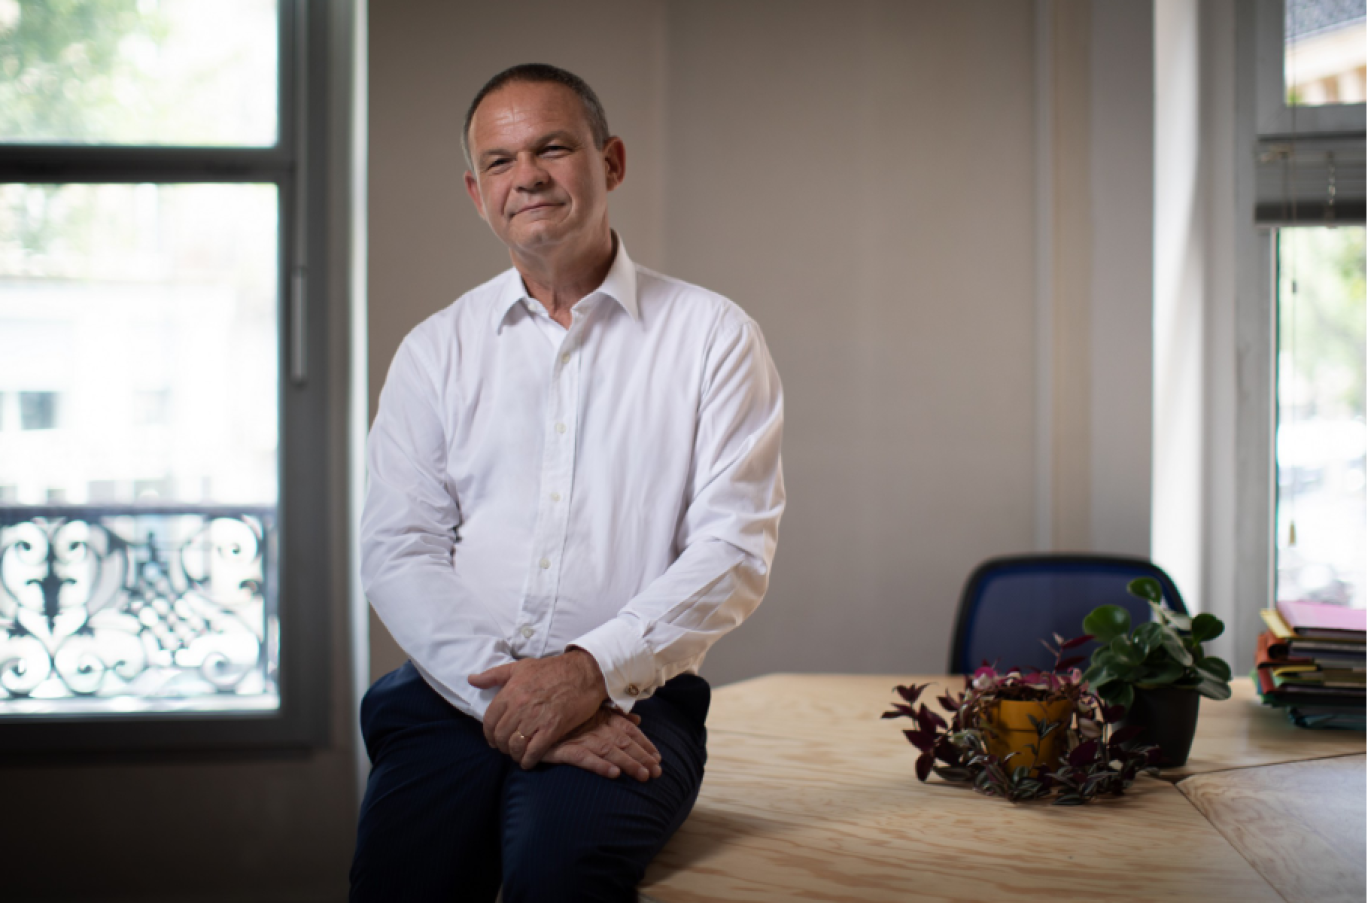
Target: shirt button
x,y
560,427
565,358
633,690
555,496
527,632
545,563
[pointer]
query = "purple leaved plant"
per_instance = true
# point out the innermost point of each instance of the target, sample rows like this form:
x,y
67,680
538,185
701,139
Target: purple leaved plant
x,y
1101,760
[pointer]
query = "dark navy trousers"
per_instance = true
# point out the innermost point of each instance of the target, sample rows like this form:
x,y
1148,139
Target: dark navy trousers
x,y
447,818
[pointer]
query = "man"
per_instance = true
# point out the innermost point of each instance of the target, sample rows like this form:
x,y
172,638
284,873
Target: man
x,y
574,491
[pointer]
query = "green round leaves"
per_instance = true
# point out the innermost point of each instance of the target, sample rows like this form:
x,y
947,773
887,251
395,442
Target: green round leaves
x,y
1107,622
1165,652
1206,627
1146,588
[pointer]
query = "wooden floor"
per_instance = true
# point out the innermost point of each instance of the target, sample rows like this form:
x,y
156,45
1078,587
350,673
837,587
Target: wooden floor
x,y
809,795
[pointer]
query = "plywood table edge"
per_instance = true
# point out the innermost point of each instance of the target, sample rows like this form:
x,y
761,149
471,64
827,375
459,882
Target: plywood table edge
x,y
1177,777
1239,846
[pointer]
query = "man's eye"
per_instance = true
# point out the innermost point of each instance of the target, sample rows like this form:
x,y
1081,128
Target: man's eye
x,y
555,149
497,163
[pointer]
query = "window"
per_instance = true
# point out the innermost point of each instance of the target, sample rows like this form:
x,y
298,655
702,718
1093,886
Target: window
x,y
1323,52
37,410
1322,521
1305,321
1310,67
155,222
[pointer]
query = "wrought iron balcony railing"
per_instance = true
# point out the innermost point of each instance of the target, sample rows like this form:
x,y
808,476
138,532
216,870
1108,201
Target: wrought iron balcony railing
x,y
137,608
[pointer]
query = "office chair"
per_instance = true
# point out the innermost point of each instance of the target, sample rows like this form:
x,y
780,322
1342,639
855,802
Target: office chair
x,y
1010,604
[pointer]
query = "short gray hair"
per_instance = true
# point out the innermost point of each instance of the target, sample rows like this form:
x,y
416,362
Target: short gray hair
x,y
541,73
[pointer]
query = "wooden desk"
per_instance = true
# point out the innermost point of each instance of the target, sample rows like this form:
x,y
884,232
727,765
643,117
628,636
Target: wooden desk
x,y
1301,824
810,795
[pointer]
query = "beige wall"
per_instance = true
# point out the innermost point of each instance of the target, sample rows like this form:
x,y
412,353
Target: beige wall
x,y
858,177
861,177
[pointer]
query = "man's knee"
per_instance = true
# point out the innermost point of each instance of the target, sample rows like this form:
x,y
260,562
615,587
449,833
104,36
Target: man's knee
x,y
574,836
576,871
428,828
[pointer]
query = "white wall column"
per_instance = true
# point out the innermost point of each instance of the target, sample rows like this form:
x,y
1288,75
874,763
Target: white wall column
x,y
1179,297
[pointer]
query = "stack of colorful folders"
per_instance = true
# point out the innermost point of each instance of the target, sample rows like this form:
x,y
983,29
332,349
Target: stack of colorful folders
x,y
1311,661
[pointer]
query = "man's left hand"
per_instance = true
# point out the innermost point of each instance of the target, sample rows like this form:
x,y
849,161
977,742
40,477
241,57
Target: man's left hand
x,y
540,700
609,744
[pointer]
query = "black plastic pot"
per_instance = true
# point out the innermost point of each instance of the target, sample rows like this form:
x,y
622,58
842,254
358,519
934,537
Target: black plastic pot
x,y
1167,717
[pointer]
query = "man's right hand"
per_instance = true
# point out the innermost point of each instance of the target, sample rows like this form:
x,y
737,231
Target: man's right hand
x,y
608,744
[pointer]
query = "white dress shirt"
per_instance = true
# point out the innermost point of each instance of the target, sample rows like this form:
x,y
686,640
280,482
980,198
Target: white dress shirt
x,y
614,486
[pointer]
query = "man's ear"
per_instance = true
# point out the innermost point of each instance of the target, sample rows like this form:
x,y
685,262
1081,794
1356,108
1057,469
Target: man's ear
x,y
473,189
615,162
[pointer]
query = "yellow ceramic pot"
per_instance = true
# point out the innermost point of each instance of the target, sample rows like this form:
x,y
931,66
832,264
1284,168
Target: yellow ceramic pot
x,y
1009,730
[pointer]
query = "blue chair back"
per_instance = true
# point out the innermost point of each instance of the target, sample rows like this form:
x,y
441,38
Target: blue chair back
x,y
1010,604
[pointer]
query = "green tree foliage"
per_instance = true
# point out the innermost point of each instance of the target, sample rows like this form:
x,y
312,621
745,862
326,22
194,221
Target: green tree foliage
x,y
1321,328
69,74
70,69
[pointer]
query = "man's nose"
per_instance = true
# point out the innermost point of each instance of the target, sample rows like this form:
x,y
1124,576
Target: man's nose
x,y
529,174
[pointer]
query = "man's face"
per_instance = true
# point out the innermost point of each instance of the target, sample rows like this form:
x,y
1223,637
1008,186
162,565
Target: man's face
x,y
538,179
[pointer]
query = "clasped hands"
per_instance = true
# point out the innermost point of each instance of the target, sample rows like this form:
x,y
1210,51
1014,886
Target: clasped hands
x,y
550,710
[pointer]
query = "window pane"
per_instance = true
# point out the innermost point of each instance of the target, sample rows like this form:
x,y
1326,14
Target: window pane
x,y
138,446
157,72
1322,520
1325,52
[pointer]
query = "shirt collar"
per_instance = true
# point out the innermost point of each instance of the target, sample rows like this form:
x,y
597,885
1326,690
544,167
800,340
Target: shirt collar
x,y
620,284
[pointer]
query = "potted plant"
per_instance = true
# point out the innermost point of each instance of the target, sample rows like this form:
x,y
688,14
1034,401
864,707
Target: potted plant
x,y
1026,735
1158,671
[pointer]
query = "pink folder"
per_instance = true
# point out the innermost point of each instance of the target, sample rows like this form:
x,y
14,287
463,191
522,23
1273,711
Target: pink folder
x,y
1308,617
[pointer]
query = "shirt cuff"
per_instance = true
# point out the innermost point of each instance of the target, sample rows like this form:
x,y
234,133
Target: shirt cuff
x,y
627,663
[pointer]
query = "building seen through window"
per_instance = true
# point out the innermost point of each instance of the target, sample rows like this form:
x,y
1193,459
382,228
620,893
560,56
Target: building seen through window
x,y
1326,54
37,410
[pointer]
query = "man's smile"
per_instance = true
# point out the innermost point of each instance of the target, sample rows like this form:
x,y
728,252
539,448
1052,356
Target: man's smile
x,y
530,208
